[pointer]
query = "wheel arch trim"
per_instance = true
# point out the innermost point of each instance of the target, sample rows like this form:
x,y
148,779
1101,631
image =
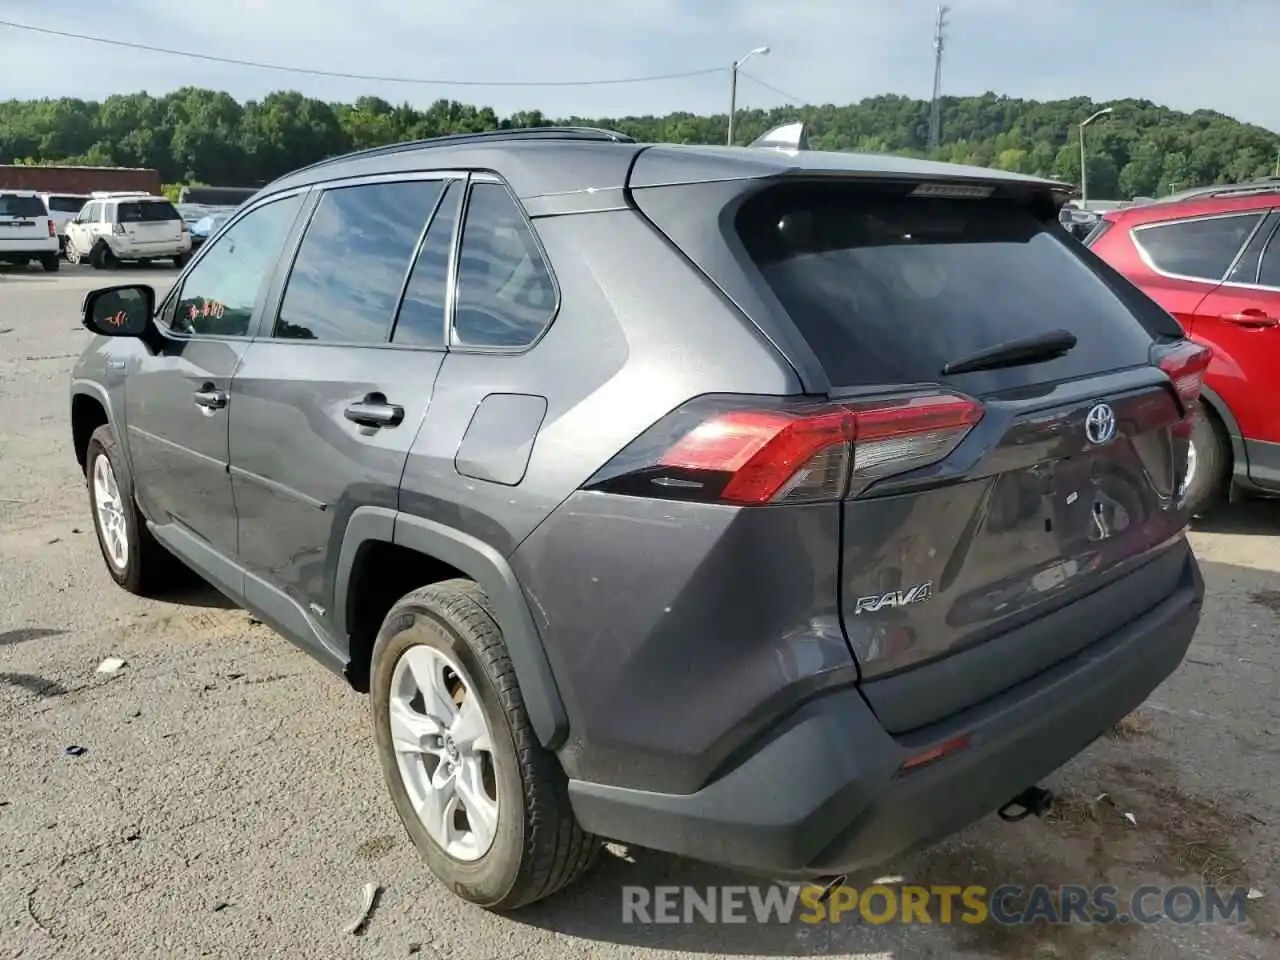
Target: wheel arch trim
x,y
487,567
1239,452
96,391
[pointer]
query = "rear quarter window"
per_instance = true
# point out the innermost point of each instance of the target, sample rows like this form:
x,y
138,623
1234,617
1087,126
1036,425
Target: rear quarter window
x,y
887,289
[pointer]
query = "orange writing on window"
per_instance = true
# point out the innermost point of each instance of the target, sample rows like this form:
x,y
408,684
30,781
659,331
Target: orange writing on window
x,y
209,308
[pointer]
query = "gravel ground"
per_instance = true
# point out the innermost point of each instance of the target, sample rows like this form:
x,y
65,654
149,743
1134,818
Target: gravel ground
x,y
228,802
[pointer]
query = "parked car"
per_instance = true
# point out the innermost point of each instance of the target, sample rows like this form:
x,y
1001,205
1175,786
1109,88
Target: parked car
x,y
63,208
26,230
1211,258
114,227
1077,221
208,225
785,510
192,213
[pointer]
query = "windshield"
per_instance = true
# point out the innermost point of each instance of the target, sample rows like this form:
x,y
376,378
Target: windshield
x,y
66,204
150,211
14,205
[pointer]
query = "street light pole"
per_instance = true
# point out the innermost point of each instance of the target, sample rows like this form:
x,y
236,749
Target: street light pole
x,y
1084,163
733,85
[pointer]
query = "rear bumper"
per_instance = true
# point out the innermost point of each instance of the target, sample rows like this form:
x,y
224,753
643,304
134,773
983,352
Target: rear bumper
x,y
30,249
823,795
161,250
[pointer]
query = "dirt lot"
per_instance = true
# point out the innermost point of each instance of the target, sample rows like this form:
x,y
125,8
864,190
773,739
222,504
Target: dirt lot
x,y
228,802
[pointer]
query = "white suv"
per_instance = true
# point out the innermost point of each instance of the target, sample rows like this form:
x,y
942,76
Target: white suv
x,y
127,226
62,209
26,232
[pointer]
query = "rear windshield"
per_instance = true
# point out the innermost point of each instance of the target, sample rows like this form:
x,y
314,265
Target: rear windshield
x,y
887,288
66,204
148,211
14,205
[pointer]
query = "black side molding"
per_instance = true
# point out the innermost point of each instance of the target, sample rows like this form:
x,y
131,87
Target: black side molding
x,y
487,567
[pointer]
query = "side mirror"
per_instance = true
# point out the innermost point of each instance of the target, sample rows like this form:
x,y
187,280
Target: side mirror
x,y
120,311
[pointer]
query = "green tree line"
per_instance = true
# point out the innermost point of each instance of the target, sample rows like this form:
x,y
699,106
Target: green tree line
x,y
206,136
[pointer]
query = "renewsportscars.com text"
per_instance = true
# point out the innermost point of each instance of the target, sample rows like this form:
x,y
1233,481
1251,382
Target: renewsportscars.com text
x,y
940,904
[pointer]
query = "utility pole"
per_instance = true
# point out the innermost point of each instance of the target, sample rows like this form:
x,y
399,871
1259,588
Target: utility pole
x,y
935,108
1278,161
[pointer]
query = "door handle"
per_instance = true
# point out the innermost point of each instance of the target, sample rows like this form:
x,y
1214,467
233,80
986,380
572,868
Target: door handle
x,y
210,398
1251,317
374,411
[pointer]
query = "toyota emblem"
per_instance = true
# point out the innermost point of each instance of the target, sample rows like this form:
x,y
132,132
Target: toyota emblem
x,y
1100,424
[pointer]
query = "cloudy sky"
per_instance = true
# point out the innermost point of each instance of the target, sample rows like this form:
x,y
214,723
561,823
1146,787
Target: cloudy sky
x,y
1189,54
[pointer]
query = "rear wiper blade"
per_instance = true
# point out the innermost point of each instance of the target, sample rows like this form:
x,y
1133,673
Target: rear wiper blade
x,y
1013,353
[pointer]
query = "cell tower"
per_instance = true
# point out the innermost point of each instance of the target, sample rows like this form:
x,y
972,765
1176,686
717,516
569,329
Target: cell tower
x,y
935,108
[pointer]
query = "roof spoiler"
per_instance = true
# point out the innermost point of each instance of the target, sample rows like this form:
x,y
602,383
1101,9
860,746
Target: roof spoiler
x,y
786,136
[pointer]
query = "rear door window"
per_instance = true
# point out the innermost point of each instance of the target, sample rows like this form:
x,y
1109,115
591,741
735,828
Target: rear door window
x,y
420,322
1202,249
150,211
887,288
15,205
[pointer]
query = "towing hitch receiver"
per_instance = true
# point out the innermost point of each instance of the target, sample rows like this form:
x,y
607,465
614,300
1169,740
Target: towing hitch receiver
x,y
1033,800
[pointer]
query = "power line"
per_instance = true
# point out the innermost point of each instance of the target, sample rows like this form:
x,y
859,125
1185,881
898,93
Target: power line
x,y
799,101
367,78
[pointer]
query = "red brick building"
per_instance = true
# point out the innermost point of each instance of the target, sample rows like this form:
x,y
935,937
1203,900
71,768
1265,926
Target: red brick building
x,y
78,179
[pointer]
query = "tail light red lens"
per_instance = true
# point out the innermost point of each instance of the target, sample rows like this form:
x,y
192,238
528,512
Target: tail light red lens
x,y
53,231
1186,365
727,450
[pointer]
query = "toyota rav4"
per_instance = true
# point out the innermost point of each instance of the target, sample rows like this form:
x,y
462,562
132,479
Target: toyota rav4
x,y
783,509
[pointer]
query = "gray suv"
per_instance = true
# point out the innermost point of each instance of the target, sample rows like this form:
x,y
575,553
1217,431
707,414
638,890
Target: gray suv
x,y
781,509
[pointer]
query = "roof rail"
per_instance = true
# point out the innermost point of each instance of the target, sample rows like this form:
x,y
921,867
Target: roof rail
x,y
484,136
111,194
1249,187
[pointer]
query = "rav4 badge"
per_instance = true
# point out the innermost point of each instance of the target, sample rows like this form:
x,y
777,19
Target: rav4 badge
x,y
895,598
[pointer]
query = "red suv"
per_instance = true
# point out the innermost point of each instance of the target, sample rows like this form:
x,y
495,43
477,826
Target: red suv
x,y
1211,257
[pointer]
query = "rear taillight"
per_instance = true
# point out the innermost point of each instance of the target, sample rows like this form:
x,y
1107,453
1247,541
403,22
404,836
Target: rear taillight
x,y
53,231
1186,364
730,450
186,228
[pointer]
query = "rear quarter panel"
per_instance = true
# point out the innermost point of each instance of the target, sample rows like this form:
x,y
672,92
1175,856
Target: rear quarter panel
x,y
638,332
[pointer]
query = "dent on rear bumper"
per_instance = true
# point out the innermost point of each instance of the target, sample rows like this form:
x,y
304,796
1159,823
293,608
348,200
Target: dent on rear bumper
x,y
823,795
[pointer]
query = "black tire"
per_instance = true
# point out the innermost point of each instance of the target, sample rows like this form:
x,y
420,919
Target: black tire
x,y
101,257
72,254
50,262
539,847
1213,461
149,567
